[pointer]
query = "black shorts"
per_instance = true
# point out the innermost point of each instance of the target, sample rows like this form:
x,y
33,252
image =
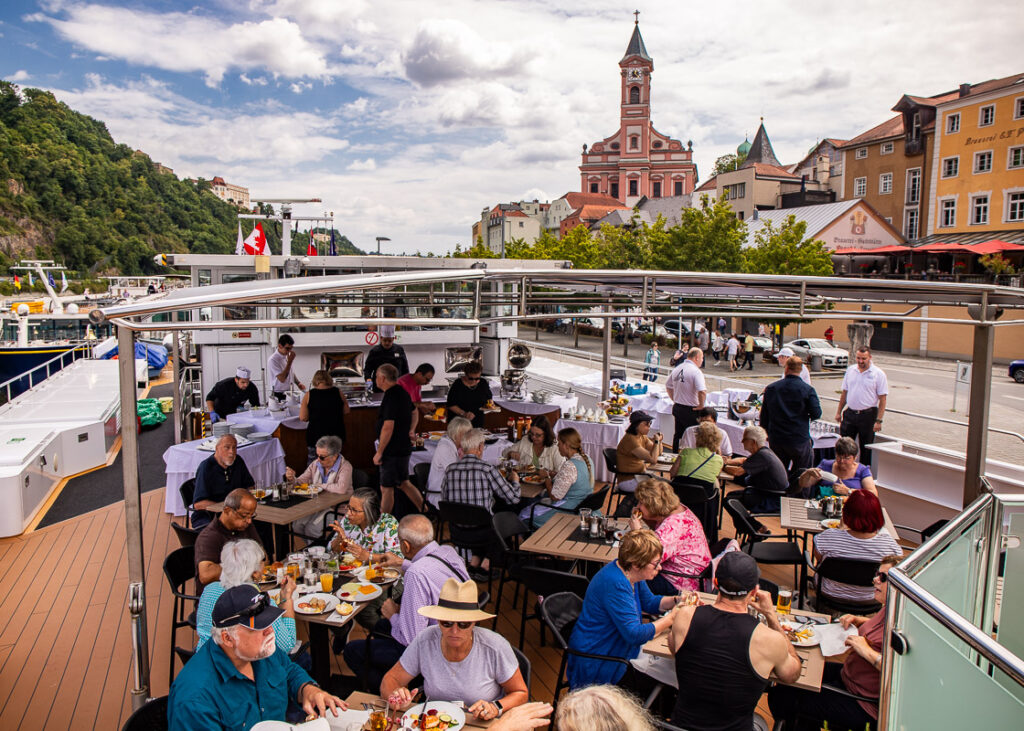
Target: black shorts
x,y
394,470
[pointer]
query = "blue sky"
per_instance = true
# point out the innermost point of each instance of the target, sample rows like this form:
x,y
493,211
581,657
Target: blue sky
x,y
408,117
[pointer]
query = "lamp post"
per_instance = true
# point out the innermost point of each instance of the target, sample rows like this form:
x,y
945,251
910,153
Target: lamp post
x,y
379,239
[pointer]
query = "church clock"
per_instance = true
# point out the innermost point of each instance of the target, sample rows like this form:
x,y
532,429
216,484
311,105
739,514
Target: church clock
x,y
635,74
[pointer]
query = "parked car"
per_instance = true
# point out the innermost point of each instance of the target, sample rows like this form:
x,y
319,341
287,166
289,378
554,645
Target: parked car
x,y
675,329
762,344
831,357
1017,370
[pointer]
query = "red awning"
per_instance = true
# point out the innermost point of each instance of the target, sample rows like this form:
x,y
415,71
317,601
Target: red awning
x,y
946,248
994,246
893,249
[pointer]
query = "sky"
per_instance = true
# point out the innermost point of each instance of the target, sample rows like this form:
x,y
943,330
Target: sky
x,y
408,117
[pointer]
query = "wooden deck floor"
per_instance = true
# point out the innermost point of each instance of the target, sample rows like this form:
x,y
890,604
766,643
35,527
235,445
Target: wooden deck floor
x,y
65,642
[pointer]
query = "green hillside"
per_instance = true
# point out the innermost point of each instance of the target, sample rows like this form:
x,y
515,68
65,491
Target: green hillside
x,y
68,192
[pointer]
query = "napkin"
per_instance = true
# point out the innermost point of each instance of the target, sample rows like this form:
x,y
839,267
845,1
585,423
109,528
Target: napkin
x,y
833,638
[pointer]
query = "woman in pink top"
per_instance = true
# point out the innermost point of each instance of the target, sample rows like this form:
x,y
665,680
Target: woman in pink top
x,y
329,471
686,551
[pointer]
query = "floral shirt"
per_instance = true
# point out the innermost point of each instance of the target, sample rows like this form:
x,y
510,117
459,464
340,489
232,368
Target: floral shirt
x,y
382,537
685,548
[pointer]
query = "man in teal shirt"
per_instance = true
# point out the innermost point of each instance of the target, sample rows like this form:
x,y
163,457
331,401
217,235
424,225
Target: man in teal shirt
x,y
240,678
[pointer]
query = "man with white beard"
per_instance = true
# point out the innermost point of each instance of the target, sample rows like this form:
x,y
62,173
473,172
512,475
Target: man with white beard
x,y
240,678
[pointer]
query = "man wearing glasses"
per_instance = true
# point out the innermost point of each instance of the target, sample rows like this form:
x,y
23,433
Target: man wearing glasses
x,y
279,368
234,522
468,396
240,679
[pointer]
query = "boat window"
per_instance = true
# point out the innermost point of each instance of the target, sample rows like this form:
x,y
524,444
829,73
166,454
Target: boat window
x,y
205,278
238,312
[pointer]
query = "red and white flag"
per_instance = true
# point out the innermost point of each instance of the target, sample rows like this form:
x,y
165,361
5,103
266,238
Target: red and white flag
x,y
256,242
311,249
239,245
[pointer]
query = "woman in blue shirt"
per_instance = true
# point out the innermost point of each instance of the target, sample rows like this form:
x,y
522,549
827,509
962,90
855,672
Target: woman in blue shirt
x,y
570,486
852,474
611,622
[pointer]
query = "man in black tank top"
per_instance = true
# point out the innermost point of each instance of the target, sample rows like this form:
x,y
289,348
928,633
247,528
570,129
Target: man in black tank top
x,y
724,656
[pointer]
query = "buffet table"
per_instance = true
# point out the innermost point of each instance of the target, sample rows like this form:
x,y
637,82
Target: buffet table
x,y
824,443
265,461
596,437
264,420
492,452
531,408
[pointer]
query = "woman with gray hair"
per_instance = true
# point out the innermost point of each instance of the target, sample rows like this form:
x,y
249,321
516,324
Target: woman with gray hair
x,y
449,448
330,471
241,562
851,475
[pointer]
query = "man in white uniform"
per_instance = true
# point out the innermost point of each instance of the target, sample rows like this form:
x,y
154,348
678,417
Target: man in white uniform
x,y
865,389
783,357
687,390
279,368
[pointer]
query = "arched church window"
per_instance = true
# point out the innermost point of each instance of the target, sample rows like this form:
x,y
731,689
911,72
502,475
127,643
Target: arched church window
x,y
634,142
634,95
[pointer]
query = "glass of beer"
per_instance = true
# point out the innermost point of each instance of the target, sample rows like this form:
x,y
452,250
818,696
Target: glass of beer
x,y
785,602
379,716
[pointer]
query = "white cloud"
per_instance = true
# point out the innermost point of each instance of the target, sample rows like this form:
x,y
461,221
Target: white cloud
x,y
254,81
363,165
188,42
448,50
298,87
20,75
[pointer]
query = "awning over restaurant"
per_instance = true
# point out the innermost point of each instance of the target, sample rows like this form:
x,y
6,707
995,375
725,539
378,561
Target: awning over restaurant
x,y
854,251
985,247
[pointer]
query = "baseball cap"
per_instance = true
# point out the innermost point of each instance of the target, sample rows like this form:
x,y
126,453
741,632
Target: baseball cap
x,y
245,605
785,353
737,574
638,416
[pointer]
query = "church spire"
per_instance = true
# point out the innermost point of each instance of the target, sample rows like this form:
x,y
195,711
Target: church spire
x,y
636,42
761,150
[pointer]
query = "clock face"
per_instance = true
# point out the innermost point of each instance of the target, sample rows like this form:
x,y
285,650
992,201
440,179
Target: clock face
x,y
635,74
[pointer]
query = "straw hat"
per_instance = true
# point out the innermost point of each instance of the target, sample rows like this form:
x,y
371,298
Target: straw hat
x,y
457,603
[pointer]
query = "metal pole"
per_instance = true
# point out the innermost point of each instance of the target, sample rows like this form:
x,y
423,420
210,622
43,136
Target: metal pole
x,y
133,514
977,410
176,375
606,357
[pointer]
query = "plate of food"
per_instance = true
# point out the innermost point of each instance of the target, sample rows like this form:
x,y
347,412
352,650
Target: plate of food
x,y
345,608
801,635
830,523
533,479
307,490
316,603
269,575
435,716
435,436
828,478
359,591
378,575
619,533
666,458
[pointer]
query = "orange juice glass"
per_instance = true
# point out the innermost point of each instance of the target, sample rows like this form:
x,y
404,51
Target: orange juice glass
x,y
327,583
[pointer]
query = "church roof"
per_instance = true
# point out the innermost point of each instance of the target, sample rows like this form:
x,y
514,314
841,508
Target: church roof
x,y
761,150
578,200
636,46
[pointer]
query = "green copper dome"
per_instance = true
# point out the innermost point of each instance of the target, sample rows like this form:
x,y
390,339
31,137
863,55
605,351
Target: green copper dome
x,y
744,148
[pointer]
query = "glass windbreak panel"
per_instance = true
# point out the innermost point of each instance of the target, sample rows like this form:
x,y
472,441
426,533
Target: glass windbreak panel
x,y
955,575
204,278
238,312
935,685
1010,622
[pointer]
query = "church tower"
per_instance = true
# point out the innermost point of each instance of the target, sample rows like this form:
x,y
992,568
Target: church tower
x,y
637,161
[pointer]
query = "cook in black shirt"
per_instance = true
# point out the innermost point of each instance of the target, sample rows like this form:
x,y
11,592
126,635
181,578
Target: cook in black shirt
x,y
225,397
386,352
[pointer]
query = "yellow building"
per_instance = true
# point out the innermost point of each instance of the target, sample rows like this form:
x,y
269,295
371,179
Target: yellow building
x,y
977,171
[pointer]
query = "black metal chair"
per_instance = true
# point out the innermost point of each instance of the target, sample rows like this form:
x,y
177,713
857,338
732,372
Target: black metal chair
x,y
186,536
469,528
594,501
510,531
766,547
421,478
360,478
525,668
187,490
926,532
183,654
150,717
180,568
560,612
781,724
544,582
703,498
855,572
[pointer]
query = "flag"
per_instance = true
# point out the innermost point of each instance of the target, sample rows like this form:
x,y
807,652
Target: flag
x,y
49,276
256,243
240,245
311,249
334,249
17,282
63,282
31,282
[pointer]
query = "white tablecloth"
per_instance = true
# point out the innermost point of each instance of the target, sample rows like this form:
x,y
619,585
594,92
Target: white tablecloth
x,y
595,438
264,420
265,461
735,431
530,408
492,452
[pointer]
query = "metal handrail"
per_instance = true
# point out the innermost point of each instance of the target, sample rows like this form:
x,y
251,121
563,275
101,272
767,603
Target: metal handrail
x,y
86,350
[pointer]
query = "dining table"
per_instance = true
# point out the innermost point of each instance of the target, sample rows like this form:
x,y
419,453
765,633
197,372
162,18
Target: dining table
x,y
813,660
360,700
561,536
317,626
796,515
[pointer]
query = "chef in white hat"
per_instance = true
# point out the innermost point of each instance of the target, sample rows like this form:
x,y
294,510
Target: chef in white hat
x,y
783,357
227,395
387,351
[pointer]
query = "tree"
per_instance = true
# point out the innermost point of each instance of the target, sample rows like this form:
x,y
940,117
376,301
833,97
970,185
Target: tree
x,y
728,163
477,251
707,239
783,250
996,264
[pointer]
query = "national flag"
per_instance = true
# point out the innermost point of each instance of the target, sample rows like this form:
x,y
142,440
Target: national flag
x,y
256,242
240,245
17,282
311,249
49,276
63,282
31,282
334,249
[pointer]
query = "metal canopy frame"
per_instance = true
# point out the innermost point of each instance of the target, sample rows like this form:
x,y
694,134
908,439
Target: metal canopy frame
x,y
525,294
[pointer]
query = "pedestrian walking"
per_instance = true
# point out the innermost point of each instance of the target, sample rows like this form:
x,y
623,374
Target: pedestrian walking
x,y
865,391
652,360
717,346
722,325
748,350
732,350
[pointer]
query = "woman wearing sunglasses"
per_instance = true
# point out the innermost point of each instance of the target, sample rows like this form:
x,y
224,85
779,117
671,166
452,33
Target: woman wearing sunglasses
x,y
860,674
330,471
458,660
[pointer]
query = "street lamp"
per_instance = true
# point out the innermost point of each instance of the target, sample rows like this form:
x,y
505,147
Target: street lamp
x,y
379,239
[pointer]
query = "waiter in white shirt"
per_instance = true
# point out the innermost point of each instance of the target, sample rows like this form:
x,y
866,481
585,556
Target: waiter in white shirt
x,y
783,357
687,390
279,368
865,389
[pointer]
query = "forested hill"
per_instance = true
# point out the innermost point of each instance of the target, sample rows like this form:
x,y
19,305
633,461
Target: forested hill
x,y
68,192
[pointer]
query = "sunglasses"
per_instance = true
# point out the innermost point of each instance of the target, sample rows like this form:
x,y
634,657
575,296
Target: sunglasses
x,y
882,576
323,457
259,603
448,625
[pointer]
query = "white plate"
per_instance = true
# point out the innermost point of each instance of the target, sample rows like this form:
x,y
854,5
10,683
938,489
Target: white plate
x,y
309,491
332,602
360,573
358,596
666,458
619,533
830,523
809,642
457,714
829,478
